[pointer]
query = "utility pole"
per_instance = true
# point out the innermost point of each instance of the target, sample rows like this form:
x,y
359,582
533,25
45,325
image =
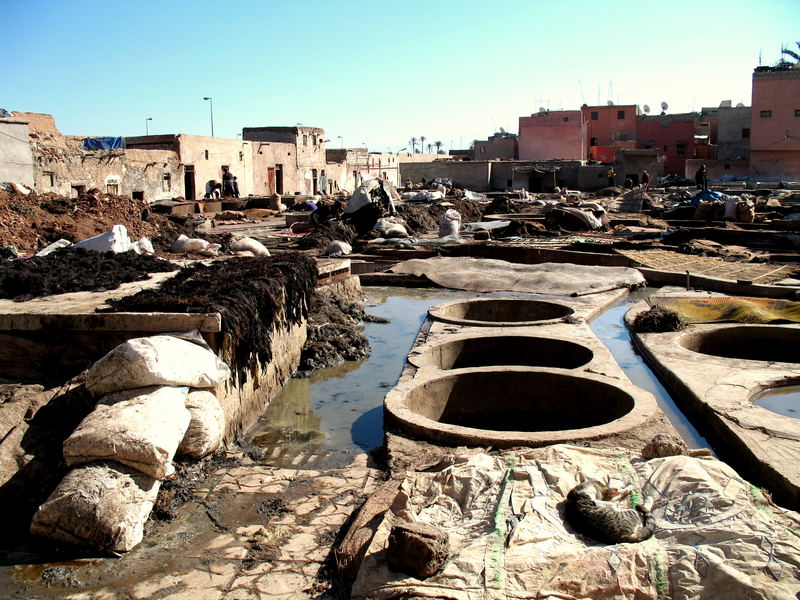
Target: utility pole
x,y
146,123
211,107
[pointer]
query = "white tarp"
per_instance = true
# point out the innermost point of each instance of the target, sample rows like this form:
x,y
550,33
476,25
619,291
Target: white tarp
x,y
489,275
716,537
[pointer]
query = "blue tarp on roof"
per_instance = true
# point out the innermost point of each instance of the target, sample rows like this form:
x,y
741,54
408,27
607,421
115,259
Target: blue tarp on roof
x,y
103,143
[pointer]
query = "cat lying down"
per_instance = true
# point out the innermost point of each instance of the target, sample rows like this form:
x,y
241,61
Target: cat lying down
x,y
591,510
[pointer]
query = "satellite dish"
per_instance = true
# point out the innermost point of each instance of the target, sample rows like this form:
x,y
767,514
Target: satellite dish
x,y
739,105
664,106
542,109
502,130
610,103
646,108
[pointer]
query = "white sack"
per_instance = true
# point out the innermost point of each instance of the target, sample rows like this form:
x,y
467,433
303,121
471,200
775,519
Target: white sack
x,y
116,240
143,246
187,244
248,244
139,428
730,207
62,243
207,426
104,505
156,360
449,223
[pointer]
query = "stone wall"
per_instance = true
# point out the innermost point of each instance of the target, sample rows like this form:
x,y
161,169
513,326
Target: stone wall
x,y
16,160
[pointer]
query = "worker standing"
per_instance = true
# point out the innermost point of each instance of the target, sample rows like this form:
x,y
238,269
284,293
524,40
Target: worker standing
x,y
611,174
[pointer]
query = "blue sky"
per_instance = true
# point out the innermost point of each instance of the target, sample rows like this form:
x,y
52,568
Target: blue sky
x,y
375,72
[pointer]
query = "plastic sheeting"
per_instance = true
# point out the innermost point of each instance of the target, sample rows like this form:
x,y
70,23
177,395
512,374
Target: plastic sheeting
x,y
716,536
103,143
725,309
489,275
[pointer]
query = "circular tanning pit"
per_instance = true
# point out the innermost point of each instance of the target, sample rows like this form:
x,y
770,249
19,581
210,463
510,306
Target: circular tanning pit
x,y
783,400
499,312
749,342
516,406
528,351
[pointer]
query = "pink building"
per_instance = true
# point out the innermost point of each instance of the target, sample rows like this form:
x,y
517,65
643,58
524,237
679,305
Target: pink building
x,y
610,125
775,126
552,134
671,135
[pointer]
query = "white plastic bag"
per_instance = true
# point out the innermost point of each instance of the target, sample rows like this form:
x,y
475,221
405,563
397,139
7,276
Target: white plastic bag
x,y
138,428
116,240
207,427
449,223
247,244
104,505
156,360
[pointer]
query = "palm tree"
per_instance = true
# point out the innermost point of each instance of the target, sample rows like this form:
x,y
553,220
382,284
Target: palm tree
x,y
422,143
413,144
438,147
792,53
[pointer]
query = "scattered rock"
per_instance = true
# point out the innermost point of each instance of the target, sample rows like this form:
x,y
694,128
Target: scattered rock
x,y
417,549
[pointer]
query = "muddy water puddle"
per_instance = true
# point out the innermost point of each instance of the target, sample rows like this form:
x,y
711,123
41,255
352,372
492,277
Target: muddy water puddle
x,y
610,328
323,420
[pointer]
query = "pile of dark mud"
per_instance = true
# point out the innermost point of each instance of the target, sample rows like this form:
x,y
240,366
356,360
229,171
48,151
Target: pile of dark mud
x,y
75,270
521,229
417,220
469,210
322,235
657,320
334,334
251,294
501,206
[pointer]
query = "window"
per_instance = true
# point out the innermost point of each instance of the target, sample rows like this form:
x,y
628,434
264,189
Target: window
x,y
305,140
647,146
313,139
745,133
765,114
49,178
680,148
797,112
137,195
206,154
166,182
566,119
593,142
112,188
665,147
483,148
620,114
727,166
595,115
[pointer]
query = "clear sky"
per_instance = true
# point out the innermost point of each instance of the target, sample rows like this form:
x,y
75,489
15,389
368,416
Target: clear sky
x,y
378,72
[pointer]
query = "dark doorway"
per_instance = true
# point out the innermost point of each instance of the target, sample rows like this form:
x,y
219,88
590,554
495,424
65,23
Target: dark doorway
x,y
314,181
137,195
78,191
634,178
279,179
188,182
534,183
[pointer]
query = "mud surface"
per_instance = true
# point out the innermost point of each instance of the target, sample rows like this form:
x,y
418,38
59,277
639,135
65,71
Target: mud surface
x,y
418,220
251,294
31,222
75,270
334,334
322,235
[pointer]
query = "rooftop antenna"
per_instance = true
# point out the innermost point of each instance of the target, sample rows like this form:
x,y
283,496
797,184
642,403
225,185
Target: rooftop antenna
x,y
611,92
759,57
598,95
580,89
646,108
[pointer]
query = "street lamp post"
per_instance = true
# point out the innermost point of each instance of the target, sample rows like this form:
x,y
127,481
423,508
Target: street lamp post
x,y
211,107
146,123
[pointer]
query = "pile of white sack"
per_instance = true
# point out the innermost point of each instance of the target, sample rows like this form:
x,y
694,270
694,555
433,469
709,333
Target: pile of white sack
x,y
116,240
154,402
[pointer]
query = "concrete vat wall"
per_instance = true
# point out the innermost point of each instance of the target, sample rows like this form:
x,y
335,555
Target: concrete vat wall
x,y
16,160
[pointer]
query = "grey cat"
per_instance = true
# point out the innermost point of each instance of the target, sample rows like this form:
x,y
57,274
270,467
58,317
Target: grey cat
x,y
589,510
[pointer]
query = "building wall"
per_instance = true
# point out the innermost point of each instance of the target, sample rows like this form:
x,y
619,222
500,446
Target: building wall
x,y
633,162
671,135
472,175
733,133
309,152
554,134
775,139
270,158
498,146
608,129
592,177
16,160
207,156
718,169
